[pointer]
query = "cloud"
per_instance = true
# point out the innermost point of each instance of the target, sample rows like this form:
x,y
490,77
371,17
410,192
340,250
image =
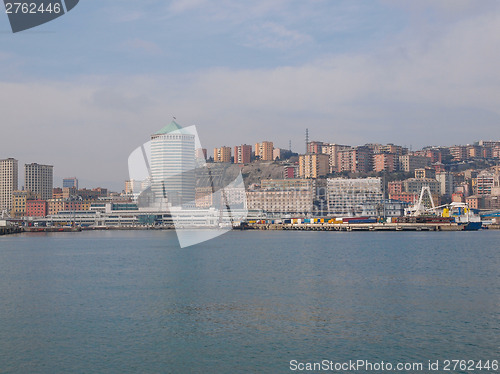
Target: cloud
x,y
272,35
180,6
427,85
141,45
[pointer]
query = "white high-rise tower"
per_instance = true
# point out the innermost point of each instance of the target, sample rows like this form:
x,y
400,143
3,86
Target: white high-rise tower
x,y
172,165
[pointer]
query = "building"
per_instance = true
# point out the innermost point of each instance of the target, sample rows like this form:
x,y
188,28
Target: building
x,y
172,165
8,183
395,187
55,206
459,152
57,193
264,151
291,171
133,186
390,148
38,179
201,154
407,197
385,162
70,182
36,208
315,147
93,194
474,201
313,165
204,197
277,153
474,151
434,154
446,183
284,184
299,201
427,172
484,182
19,199
355,160
409,163
332,151
414,185
242,154
348,197
222,154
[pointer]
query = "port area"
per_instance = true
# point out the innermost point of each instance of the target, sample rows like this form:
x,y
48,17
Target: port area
x,y
358,226
10,230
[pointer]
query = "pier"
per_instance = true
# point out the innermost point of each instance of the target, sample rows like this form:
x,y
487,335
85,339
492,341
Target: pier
x,y
359,227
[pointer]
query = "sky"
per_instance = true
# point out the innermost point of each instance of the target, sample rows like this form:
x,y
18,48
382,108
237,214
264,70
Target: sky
x,y
83,91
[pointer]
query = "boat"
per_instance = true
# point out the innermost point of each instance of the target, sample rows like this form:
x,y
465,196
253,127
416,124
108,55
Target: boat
x,y
463,215
456,212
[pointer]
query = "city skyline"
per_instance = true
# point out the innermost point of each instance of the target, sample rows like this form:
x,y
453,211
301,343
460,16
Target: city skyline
x,y
362,71
117,185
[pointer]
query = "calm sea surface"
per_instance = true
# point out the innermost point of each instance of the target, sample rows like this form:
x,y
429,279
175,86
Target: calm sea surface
x,y
134,302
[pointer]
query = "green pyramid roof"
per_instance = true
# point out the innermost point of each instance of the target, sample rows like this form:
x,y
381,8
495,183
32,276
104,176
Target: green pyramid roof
x,y
172,126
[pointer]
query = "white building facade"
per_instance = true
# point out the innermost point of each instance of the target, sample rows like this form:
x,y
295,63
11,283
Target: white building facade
x,y
173,164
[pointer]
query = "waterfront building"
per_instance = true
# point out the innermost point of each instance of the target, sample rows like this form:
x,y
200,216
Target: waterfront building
x,y
386,208
264,151
409,163
19,199
347,197
222,154
297,201
8,183
70,182
313,165
283,184
172,165
55,206
242,154
36,208
204,197
38,179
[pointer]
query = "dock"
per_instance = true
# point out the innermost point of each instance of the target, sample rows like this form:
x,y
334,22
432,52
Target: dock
x,y
359,227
